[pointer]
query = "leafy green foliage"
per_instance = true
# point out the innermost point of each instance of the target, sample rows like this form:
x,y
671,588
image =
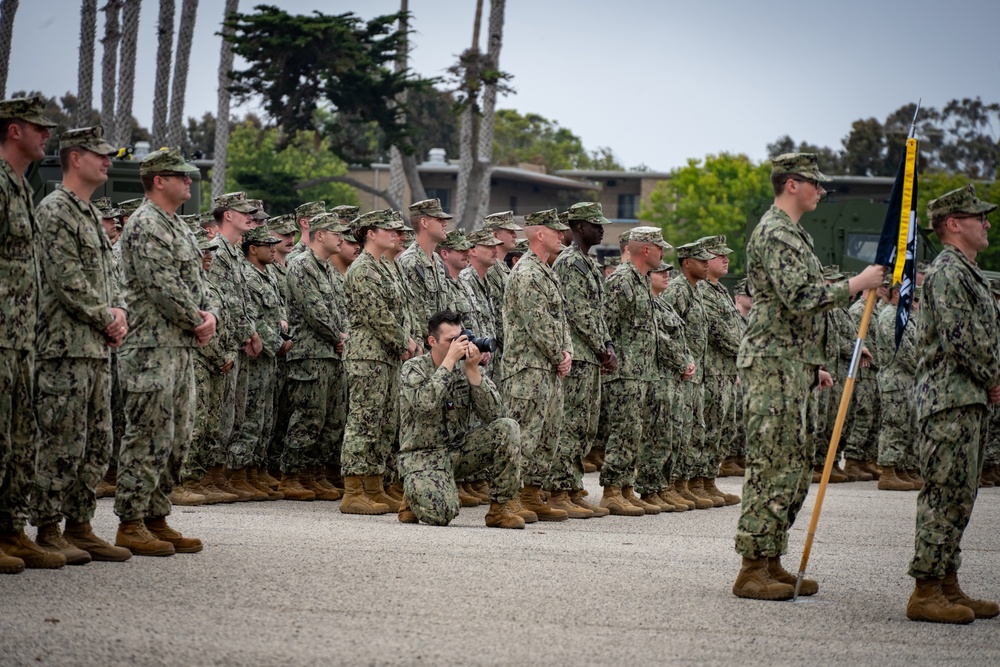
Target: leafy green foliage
x,y
534,139
933,185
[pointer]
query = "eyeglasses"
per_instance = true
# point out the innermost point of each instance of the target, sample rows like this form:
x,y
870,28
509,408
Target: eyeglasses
x,y
979,217
810,181
183,177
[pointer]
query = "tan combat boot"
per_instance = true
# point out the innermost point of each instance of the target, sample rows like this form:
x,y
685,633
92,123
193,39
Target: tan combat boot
x,y
532,500
465,498
699,502
890,481
953,592
676,487
755,582
837,475
856,472
10,564
82,535
928,603
501,516
238,481
356,501
307,478
517,508
405,514
727,498
182,495
214,494
51,539
616,504
730,468
656,499
254,480
106,487
872,469
697,489
560,500
628,493
678,503
374,487
577,498
291,488
482,489
395,491
218,478
18,545
592,462
911,476
779,574
182,545
267,479
134,536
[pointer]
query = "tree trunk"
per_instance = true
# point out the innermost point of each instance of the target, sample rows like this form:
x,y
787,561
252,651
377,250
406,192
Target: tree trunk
x,y
130,36
397,177
417,192
85,73
494,41
109,69
222,115
467,134
7,11
161,88
175,126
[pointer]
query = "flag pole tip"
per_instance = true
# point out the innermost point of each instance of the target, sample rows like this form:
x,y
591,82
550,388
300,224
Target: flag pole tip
x,y
798,584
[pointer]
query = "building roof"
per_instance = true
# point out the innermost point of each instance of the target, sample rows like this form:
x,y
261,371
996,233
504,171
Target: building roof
x,y
507,173
606,174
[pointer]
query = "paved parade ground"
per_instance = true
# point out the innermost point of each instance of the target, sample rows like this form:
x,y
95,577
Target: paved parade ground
x,y
292,583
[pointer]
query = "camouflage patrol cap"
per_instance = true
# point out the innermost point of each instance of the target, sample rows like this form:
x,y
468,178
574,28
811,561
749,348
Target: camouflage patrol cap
x,y
504,220
260,236
397,217
455,240
588,211
260,215
832,272
547,218
805,165
717,245
381,218
204,243
346,211
191,220
129,206
664,266
741,288
484,237
327,222
963,201
922,266
350,238
430,208
166,160
564,217
521,246
234,201
611,260
694,250
283,224
31,109
205,218
104,205
88,138
310,209
648,235
623,237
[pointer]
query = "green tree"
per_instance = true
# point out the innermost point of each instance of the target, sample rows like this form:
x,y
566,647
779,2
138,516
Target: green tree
x,y
257,167
934,184
534,139
709,197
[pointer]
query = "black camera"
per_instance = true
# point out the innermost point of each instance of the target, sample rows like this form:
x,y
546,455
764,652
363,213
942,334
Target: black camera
x,y
484,343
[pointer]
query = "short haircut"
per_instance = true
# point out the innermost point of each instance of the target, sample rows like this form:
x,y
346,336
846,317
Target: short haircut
x,y
64,154
5,128
509,259
245,246
937,222
778,182
147,182
442,317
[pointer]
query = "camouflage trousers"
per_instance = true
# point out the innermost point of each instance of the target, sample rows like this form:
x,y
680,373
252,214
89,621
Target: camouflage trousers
x,y
280,416
738,429
241,372
992,455
628,410
535,401
210,389
372,417
695,460
159,392
18,436
253,433
317,399
581,409
429,475
603,419
861,442
117,411
779,404
950,445
718,412
226,412
74,421
660,445
898,435
829,405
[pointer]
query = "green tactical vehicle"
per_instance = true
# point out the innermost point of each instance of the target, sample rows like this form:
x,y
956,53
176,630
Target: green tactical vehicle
x,y
123,182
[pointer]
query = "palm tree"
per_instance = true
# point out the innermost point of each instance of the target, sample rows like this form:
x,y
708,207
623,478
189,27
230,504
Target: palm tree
x,y
189,12
222,115
85,74
7,11
109,68
494,41
130,35
161,88
467,132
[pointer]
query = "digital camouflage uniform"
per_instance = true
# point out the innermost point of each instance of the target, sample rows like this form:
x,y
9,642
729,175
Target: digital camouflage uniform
x,y
536,334
496,281
781,352
861,442
582,285
73,365
279,422
898,432
164,289
427,281
439,441
308,211
957,362
841,335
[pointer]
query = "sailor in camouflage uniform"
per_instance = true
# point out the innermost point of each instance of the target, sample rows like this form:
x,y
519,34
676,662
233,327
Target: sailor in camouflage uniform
x,y
780,366
482,256
957,378
423,270
502,227
304,213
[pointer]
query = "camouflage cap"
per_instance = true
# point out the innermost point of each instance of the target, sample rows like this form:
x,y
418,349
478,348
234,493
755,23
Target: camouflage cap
x,y
717,245
234,201
547,218
805,165
611,260
429,207
31,109
664,266
504,220
832,272
129,205
741,288
922,266
918,291
260,236
521,246
328,222
260,215
382,218
104,205
88,138
962,200
400,222
564,217
204,243
346,212
350,238
191,220
283,224
648,235
623,237
694,250
166,160
484,237
995,286
455,240
310,209
206,218
588,211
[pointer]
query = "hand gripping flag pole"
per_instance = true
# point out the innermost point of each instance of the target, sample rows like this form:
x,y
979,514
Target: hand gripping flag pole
x,y
895,251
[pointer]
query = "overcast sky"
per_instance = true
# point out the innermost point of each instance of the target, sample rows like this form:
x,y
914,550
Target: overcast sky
x,y
657,81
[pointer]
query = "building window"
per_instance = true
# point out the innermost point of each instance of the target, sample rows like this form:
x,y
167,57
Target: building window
x,y
628,207
444,194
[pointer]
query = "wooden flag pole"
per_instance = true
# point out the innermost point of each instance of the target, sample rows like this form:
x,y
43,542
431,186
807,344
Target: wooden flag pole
x,y
831,452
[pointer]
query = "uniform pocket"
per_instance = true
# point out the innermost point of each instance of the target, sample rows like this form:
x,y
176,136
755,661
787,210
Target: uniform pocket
x,y
144,370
